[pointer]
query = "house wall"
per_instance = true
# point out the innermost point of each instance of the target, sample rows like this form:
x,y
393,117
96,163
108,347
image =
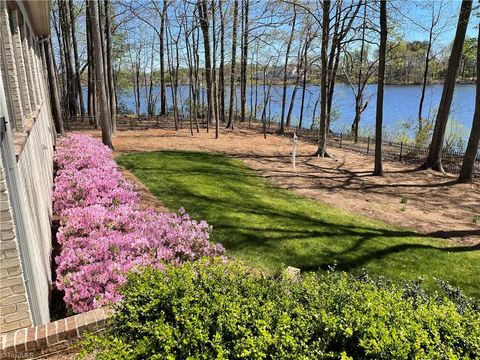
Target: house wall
x,y
35,172
26,173
14,308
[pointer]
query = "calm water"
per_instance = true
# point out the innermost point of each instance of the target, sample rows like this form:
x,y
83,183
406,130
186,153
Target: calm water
x,y
401,105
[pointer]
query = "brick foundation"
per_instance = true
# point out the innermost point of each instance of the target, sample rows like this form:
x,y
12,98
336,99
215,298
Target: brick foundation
x,y
39,340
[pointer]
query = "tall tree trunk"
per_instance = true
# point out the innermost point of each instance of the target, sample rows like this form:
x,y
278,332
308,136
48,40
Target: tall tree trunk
x,y
61,78
265,99
256,84
170,76
378,169
100,77
285,71
137,86
204,24
175,68
54,94
243,65
149,88
304,81
163,93
466,173
232,69
191,89
175,78
359,96
101,18
214,72
331,83
425,79
434,159
77,62
344,18
221,68
322,141
266,95
295,85
252,60
70,85
109,64
358,115
331,71
196,61
91,71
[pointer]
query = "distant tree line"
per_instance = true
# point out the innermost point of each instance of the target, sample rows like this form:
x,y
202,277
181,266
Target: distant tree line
x,y
213,46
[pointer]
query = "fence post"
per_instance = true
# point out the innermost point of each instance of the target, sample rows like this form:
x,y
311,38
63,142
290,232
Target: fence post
x,y
368,145
401,151
341,135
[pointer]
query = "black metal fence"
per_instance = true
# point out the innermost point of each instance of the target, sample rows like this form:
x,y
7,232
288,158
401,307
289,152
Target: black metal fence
x,y
394,151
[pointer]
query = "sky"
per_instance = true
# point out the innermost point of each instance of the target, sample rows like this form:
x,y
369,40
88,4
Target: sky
x,y
420,13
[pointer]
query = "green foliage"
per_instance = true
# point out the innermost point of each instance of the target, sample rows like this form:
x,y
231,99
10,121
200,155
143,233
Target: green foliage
x,y
476,219
202,110
211,310
334,117
455,136
424,135
405,128
402,131
469,56
270,227
123,108
404,200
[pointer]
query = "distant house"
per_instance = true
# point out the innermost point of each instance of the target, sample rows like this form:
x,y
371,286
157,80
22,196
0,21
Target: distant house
x,y
26,166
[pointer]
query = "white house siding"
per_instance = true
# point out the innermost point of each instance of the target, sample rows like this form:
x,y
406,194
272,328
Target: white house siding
x,y
26,204
35,169
14,308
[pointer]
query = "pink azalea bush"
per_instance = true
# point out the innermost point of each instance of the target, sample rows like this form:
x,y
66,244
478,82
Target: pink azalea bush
x,y
88,176
104,234
81,151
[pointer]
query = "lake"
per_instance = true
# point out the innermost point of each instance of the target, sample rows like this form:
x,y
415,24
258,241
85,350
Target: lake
x,y
400,106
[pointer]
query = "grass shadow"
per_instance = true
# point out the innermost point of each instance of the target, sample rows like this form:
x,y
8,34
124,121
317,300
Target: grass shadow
x,y
268,226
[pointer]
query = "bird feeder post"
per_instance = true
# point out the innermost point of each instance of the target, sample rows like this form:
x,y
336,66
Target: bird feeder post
x,y
294,150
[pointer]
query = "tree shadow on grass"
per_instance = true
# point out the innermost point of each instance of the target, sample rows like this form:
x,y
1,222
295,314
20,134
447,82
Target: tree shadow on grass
x,y
258,221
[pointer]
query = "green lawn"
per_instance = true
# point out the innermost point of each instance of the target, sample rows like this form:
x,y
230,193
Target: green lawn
x,y
268,226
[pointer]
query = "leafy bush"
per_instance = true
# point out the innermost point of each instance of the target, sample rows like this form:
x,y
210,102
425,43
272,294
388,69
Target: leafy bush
x,y
211,310
104,234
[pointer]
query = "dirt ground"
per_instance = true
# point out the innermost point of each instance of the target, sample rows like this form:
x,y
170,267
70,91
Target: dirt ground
x,y
426,201
147,199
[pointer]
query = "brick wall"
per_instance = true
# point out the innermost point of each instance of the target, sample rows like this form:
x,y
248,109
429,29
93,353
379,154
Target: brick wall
x,y
21,69
52,337
9,59
14,310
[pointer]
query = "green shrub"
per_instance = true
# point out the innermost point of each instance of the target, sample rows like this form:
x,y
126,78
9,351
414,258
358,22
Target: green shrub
x,y
214,310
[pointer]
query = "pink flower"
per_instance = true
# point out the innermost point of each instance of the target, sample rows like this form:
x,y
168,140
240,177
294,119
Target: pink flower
x,y
104,234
